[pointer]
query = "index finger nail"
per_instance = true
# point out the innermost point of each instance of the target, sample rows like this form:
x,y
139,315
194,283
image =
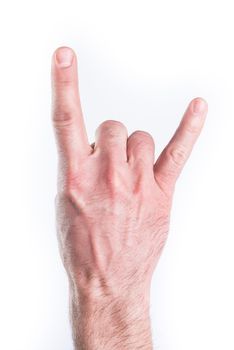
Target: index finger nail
x,y
64,57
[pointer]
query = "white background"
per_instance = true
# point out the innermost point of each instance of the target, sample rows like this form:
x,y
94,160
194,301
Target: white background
x,y
140,62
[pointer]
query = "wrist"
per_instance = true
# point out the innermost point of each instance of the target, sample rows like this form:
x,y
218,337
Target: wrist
x,y
110,321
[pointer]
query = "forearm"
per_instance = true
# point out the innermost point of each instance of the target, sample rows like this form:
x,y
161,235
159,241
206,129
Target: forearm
x,y
110,323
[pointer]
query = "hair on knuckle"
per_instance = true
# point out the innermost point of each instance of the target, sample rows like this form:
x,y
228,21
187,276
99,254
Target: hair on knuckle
x,y
112,124
143,135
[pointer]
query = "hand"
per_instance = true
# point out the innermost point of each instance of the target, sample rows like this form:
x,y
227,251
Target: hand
x,y
113,202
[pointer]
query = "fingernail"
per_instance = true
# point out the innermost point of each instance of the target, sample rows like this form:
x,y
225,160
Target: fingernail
x,y
198,106
64,57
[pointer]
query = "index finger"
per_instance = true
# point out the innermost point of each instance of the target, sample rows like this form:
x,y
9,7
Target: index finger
x,y
71,137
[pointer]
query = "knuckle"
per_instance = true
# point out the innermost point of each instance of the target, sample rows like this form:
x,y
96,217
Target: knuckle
x,y
192,128
62,116
63,83
63,121
113,126
141,142
177,154
143,137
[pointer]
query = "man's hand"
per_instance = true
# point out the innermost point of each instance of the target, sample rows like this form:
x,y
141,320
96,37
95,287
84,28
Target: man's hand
x,y
113,209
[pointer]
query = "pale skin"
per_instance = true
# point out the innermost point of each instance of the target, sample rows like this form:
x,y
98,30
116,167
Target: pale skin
x,y
113,207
